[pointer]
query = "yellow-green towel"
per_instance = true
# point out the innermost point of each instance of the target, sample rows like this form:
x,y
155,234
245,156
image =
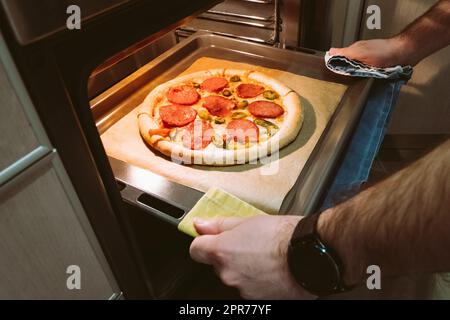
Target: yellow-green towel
x,y
216,203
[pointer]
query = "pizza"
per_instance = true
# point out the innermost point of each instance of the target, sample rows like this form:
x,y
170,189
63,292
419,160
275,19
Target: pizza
x,y
220,117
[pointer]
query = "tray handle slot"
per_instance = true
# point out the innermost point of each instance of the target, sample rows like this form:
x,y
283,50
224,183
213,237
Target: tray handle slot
x,y
304,50
153,205
160,205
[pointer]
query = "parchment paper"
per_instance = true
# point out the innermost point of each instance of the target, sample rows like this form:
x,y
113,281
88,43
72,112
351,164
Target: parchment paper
x,y
263,185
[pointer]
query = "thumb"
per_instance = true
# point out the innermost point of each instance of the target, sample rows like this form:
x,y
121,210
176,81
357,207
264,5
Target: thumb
x,y
216,225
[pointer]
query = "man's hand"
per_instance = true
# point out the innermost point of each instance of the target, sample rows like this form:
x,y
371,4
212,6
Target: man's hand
x,y
425,35
250,254
377,53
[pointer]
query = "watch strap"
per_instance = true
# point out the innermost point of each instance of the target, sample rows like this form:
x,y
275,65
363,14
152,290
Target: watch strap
x,y
307,226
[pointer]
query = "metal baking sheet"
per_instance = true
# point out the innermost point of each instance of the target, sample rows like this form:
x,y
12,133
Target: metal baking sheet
x,y
111,106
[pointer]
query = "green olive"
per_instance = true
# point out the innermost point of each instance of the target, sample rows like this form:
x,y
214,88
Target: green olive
x,y
239,115
218,141
242,104
204,114
265,123
271,128
235,79
226,93
219,120
270,95
173,134
196,85
271,131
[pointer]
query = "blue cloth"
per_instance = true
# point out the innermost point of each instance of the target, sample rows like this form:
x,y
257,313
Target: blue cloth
x,y
364,145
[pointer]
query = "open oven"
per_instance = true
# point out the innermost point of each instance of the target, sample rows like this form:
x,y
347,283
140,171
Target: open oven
x,y
85,82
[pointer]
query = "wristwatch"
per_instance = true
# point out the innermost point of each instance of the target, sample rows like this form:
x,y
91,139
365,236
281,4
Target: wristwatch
x,y
314,265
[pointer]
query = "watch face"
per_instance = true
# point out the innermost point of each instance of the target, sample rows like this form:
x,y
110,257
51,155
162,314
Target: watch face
x,y
316,269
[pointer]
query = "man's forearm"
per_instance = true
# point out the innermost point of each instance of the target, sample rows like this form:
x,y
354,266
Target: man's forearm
x,y
401,224
425,35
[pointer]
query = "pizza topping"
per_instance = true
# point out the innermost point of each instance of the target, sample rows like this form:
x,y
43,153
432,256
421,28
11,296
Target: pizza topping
x,y
177,115
226,93
198,135
173,134
270,95
215,84
204,114
270,127
265,109
239,115
247,90
219,106
219,120
163,132
197,85
218,141
242,104
185,95
235,79
242,130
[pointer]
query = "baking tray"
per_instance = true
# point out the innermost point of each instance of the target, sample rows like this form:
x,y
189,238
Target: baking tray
x,y
169,200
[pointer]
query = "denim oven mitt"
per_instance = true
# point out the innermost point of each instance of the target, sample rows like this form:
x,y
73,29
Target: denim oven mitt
x,y
353,171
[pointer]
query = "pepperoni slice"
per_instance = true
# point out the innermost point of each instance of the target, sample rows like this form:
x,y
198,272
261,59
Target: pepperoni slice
x,y
242,130
185,95
198,135
219,106
265,109
215,84
176,115
248,90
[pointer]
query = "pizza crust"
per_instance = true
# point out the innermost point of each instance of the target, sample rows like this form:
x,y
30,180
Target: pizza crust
x,y
292,123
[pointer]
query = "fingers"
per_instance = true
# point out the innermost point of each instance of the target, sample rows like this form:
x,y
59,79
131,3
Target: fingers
x,y
216,225
203,248
335,51
346,52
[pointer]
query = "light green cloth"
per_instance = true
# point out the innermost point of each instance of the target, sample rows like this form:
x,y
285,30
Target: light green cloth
x,y
216,203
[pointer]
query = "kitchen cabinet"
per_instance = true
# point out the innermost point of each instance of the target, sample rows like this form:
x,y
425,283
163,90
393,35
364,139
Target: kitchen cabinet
x,y
41,236
17,136
43,227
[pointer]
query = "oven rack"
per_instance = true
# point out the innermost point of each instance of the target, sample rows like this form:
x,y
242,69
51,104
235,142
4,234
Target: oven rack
x,y
247,10
259,1
257,21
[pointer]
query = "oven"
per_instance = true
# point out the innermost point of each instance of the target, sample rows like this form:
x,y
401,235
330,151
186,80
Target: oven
x,y
85,82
